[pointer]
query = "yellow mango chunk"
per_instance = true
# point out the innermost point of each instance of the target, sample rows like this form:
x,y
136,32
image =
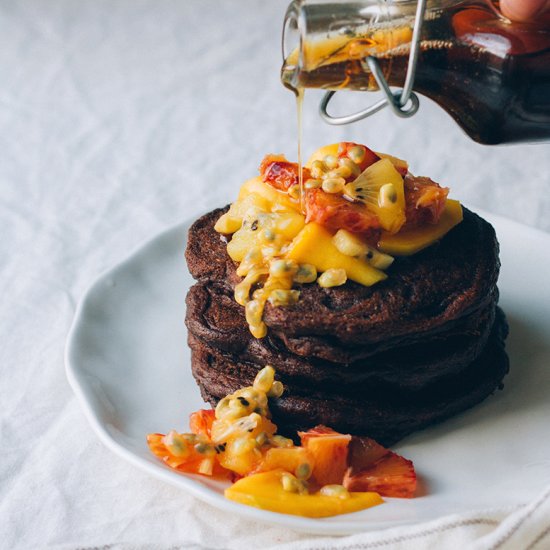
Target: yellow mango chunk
x,y
406,243
277,200
313,245
322,152
265,491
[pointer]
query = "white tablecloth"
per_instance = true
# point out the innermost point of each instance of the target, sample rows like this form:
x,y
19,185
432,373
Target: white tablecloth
x,y
117,119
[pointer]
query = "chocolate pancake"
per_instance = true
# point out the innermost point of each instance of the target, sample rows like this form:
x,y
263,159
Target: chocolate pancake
x,y
214,318
386,360
422,294
380,412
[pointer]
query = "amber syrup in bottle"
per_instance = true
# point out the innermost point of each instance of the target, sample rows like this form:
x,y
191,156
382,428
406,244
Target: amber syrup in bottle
x,y
492,76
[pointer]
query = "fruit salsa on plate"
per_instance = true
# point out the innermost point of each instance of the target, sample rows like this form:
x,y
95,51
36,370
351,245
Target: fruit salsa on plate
x,y
329,473
344,215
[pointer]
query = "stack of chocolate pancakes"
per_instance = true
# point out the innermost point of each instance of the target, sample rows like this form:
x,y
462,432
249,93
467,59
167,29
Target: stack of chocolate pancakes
x,y
383,361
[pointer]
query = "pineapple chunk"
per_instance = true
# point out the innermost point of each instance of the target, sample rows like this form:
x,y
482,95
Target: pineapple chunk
x,y
371,188
402,166
283,226
232,220
278,201
266,491
313,245
411,241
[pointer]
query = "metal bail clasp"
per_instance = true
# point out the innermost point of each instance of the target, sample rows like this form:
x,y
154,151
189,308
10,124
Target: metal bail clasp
x,y
404,102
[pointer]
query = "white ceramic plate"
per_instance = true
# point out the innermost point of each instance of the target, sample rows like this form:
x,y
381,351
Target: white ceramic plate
x,y
128,362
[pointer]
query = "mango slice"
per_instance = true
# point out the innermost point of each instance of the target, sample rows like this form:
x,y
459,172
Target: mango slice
x,y
322,152
265,491
313,245
278,200
406,243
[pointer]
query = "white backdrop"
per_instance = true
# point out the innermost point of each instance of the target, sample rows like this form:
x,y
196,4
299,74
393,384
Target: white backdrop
x,y
119,118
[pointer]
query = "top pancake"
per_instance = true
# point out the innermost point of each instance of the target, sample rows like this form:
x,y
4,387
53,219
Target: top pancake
x,y
423,293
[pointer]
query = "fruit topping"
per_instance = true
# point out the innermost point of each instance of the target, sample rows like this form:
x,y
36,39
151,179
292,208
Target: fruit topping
x,y
374,468
355,208
278,492
320,477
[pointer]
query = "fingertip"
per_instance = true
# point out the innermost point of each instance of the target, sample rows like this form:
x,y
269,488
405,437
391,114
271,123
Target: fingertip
x,y
521,10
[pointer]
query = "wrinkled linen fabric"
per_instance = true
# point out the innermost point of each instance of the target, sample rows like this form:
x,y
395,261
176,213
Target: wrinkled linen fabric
x,y
117,120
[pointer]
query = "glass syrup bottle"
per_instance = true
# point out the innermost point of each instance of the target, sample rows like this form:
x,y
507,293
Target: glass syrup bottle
x,y
491,75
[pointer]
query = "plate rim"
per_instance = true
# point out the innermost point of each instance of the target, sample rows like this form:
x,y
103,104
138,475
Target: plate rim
x,y
319,526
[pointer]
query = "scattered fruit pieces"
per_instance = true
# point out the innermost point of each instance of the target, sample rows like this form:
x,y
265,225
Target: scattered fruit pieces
x,y
329,473
375,468
265,491
353,210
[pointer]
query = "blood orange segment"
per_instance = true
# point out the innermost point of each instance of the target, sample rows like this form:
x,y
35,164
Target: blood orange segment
x,y
280,173
375,468
180,453
200,422
329,452
424,201
334,212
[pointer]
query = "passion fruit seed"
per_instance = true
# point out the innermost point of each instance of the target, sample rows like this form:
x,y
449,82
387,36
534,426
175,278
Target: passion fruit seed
x,y
307,273
349,244
261,439
387,195
294,191
290,483
205,449
280,297
303,471
264,379
282,442
340,172
350,165
318,169
312,183
333,185
331,161
332,277
268,235
338,491
357,154
276,390
175,444
280,268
